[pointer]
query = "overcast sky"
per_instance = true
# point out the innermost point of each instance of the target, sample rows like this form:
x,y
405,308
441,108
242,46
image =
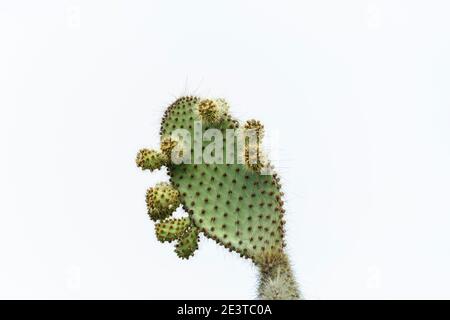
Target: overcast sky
x,y
355,92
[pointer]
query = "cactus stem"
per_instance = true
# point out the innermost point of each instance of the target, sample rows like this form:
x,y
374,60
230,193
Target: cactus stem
x,y
276,280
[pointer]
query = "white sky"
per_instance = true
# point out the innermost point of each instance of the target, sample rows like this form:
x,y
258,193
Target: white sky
x,y
357,91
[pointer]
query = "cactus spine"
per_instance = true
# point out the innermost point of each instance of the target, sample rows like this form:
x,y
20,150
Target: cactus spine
x,y
231,202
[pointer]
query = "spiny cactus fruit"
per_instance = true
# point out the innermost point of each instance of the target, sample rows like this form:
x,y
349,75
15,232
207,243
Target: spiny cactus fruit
x,y
221,177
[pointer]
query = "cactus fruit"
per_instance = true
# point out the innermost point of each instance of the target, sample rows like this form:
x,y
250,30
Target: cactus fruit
x,y
162,200
151,159
223,188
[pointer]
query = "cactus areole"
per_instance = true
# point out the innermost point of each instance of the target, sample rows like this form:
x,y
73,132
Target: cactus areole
x,y
222,179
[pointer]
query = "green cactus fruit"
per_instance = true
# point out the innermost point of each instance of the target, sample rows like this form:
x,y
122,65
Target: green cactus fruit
x,y
188,243
151,159
225,189
171,229
162,200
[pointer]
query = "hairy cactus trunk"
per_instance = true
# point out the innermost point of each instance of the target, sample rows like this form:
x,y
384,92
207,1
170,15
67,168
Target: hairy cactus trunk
x,y
277,281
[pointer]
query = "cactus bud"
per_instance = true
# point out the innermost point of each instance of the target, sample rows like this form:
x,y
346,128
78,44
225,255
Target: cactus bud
x,y
254,157
150,159
187,245
213,111
162,200
167,145
171,229
255,126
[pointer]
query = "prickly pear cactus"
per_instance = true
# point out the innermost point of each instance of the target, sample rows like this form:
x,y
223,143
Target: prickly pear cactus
x,y
227,188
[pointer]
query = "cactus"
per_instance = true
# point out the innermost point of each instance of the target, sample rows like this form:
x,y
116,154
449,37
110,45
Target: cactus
x,y
230,199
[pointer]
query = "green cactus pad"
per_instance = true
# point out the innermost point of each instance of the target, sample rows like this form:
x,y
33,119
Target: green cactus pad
x,y
187,244
162,200
239,208
171,229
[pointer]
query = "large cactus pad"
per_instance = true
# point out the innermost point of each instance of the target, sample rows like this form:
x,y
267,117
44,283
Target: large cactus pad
x,y
231,201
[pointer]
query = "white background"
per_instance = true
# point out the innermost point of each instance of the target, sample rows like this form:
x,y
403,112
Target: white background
x,y
358,92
